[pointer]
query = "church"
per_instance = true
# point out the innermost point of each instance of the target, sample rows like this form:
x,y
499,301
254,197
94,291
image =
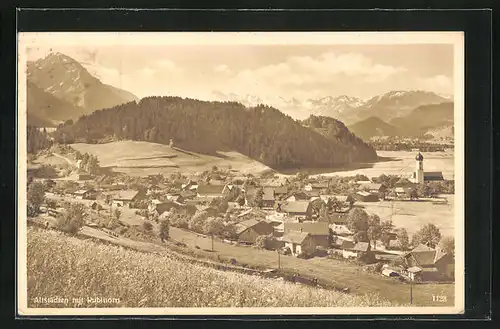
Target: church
x,y
420,176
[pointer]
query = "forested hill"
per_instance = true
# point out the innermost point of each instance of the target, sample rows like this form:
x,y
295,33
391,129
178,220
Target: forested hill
x,y
262,133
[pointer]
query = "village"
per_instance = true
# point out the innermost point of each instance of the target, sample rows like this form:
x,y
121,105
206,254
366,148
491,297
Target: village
x,y
295,216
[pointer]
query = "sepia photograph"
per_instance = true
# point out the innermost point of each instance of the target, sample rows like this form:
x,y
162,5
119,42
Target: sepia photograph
x,y
176,173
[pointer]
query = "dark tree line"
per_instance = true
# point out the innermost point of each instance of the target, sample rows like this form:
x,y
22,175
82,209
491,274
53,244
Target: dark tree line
x,y
37,140
262,133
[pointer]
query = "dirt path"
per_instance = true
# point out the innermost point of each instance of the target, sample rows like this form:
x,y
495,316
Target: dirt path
x,y
68,160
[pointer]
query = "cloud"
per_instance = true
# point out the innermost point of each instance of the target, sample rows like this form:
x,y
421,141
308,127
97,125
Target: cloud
x,y
439,83
222,69
168,65
147,71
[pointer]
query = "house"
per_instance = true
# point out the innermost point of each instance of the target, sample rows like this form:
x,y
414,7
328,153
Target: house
x,y
364,196
125,198
300,210
179,182
338,218
188,194
273,182
389,273
356,250
298,196
312,195
400,192
163,207
85,194
340,229
317,186
299,243
248,231
214,181
84,177
433,264
373,188
280,191
268,198
433,176
210,191
319,231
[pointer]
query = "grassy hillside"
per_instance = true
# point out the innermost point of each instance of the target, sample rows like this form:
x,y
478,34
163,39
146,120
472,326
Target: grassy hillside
x,y
261,133
59,265
46,110
144,158
426,118
373,126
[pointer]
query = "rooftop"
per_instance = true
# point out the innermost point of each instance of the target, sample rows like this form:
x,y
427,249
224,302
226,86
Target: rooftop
x,y
295,237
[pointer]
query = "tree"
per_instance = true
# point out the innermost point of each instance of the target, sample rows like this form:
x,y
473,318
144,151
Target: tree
x,y
164,230
361,236
447,243
115,218
258,197
350,199
93,165
197,221
262,242
374,229
357,220
404,240
35,197
213,226
72,219
386,228
428,235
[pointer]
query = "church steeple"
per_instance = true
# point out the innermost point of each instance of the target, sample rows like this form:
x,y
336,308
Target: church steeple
x,y
419,168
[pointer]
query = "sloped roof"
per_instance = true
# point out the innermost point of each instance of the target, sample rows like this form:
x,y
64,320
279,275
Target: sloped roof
x,y
423,255
433,175
314,228
347,244
372,186
268,194
295,206
210,189
281,190
319,185
361,246
295,237
243,226
126,195
440,254
340,229
363,193
414,269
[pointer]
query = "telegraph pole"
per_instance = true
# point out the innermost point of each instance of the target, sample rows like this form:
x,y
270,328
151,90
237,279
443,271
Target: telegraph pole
x,y
279,260
411,292
212,242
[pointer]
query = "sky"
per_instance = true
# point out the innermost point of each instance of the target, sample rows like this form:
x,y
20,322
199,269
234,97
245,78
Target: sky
x,y
289,71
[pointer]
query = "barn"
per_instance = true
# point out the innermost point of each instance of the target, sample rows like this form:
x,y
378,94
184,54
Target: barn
x,y
248,231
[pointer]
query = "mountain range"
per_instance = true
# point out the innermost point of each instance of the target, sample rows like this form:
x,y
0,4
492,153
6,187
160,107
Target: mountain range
x,y
60,88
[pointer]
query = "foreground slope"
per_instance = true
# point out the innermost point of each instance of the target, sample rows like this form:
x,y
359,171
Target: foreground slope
x,y
152,280
261,133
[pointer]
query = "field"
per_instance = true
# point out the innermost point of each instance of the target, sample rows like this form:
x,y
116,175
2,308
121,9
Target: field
x,y
83,269
144,158
412,215
402,163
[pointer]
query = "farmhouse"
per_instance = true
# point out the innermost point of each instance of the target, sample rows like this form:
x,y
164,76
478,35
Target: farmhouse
x,y
279,191
364,196
427,263
355,251
319,231
300,210
84,177
373,188
298,196
340,229
210,191
85,194
249,230
268,198
316,186
299,243
125,198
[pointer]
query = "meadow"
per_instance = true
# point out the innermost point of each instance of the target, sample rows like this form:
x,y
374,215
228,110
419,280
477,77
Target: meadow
x,y
67,267
139,158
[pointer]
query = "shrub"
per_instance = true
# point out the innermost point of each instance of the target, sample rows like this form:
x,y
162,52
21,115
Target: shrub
x,y
72,220
148,227
164,229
